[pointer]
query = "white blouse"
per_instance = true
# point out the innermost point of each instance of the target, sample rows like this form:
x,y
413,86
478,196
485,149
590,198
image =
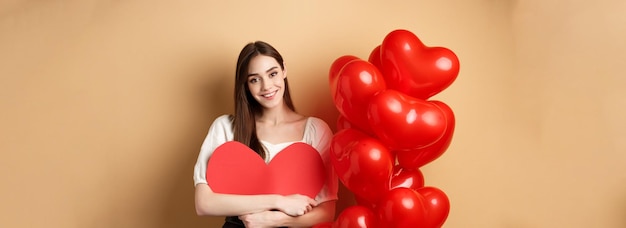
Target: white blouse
x,y
316,133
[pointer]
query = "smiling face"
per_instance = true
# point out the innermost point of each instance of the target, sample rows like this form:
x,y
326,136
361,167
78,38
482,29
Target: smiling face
x,y
266,81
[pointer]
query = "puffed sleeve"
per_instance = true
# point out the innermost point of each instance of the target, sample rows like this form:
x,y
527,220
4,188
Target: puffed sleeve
x,y
319,137
219,133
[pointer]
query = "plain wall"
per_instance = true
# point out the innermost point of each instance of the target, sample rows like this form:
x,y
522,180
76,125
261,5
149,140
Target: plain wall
x,y
104,104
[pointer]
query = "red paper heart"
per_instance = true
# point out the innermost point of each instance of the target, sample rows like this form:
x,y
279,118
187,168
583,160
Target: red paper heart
x,y
413,68
235,169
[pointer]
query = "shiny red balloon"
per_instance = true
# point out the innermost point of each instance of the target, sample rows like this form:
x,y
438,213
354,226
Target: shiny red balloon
x,y
437,206
416,158
340,146
403,122
356,217
406,178
362,163
357,82
402,208
343,123
413,68
365,202
334,70
324,225
374,57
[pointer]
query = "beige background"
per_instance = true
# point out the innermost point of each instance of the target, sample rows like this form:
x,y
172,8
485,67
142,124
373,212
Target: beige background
x,y
104,104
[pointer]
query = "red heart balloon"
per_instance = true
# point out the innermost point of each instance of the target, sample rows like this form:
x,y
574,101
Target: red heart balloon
x,y
437,206
406,178
415,69
235,169
404,122
339,148
402,208
401,178
357,83
324,225
356,217
362,163
335,68
416,158
343,123
366,202
374,58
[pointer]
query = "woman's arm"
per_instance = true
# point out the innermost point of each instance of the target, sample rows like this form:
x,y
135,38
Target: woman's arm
x,y
216,204
324,212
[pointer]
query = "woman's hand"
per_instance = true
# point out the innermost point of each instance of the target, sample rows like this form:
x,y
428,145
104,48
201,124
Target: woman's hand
x,y
296,205
324,212
263,219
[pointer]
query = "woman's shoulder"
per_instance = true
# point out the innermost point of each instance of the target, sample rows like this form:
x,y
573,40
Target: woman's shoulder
x,y
317,123
221,128
223,120
227,118
315,120
317,133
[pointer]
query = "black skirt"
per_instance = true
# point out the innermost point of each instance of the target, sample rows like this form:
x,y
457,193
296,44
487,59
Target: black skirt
x,y
233,222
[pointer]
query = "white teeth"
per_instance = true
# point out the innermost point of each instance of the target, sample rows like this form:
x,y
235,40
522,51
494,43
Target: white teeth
x,y
269,95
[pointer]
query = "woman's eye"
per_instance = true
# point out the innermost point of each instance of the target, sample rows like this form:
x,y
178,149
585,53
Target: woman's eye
x,y
253,80
273,74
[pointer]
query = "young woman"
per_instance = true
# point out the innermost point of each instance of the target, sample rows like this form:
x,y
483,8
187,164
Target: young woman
x,y
266,121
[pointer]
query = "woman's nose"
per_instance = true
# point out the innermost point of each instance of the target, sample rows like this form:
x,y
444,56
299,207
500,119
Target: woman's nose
x,y
266,84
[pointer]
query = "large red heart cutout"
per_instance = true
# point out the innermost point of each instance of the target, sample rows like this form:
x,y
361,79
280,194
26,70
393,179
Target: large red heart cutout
x,y
236,169
413,68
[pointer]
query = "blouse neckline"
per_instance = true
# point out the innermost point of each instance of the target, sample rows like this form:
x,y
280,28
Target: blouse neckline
x,y
303,139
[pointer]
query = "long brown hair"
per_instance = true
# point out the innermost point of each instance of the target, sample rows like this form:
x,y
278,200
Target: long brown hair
x,y
246,107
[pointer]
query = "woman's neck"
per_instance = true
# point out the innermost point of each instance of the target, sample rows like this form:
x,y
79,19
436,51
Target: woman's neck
x,y
276,116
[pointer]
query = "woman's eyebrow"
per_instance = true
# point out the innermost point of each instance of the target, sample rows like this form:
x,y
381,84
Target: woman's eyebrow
x,y
267,71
